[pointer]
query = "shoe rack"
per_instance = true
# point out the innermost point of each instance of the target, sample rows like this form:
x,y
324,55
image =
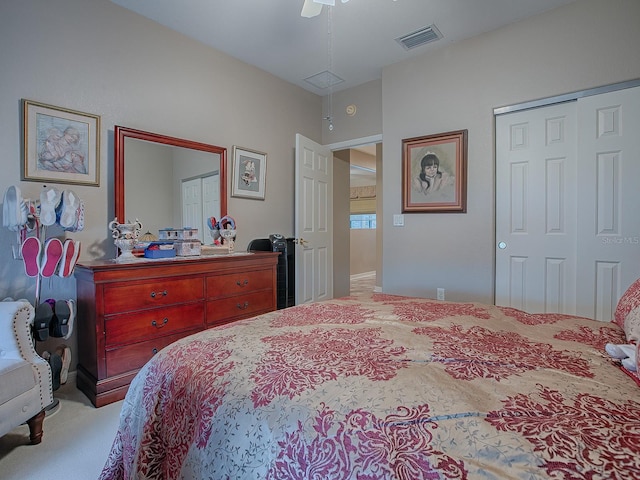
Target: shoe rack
x,y
44,256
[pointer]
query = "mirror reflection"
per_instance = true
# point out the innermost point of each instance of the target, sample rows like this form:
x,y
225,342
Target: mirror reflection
x,y
166,182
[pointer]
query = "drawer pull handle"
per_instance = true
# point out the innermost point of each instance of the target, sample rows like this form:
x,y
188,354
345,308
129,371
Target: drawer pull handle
x,y
154,351
242,284
243,306
164,322
153,294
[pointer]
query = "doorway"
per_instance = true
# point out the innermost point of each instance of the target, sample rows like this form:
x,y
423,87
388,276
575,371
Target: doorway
x,y
357,209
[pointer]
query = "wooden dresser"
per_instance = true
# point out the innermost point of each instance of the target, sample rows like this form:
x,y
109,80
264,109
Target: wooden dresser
x,y
129,311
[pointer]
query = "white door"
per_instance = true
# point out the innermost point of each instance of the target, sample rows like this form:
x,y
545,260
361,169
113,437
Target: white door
x,y
192,204
567,219
535,209
608,199
313,221
210,204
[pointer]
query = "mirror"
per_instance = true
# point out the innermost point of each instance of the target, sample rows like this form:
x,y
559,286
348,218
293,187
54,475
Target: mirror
x,y
168,182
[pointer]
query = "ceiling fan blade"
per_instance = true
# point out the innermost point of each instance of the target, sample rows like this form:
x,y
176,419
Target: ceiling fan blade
x,y
310,8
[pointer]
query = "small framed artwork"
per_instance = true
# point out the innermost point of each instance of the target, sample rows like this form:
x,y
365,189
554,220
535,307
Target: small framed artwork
x,y
249,173
60,145
434,173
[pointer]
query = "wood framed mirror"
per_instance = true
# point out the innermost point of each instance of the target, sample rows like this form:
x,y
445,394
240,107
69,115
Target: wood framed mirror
x,y
168,182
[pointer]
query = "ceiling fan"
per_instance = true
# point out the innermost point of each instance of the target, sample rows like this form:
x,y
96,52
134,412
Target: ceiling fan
x,y
312,8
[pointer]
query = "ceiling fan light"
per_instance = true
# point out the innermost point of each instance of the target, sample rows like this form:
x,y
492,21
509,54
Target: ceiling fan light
x,y
326,2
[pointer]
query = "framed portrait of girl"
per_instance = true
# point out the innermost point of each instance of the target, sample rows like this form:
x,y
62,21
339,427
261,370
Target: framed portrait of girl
x,y
434,173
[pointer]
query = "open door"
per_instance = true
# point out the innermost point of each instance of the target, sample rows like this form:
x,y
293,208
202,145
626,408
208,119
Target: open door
x,y
313,221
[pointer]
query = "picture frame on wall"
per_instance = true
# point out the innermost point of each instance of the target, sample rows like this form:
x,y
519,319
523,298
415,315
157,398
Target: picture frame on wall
x,y
249,173
60,145
434,173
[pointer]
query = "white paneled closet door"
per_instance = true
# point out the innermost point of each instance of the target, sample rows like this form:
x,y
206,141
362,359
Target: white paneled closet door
x,y
568,205
608,200
535,209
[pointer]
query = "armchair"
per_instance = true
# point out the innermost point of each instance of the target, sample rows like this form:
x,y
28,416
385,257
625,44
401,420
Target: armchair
x,y
25,377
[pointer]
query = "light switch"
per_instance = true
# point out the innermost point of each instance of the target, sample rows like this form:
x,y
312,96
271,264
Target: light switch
x,y
398,220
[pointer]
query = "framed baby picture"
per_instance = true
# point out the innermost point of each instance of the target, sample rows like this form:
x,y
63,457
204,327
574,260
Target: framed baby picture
x,y
60,145
249,173
434,173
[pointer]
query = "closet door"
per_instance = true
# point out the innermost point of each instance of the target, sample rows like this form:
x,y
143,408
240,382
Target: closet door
x,y
535,209
608,199
568,205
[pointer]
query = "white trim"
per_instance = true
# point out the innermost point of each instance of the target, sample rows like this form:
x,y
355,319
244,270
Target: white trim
x,y
356,142
567,97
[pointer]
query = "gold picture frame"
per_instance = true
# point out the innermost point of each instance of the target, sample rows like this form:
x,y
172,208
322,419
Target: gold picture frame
x,y
60,145
434,173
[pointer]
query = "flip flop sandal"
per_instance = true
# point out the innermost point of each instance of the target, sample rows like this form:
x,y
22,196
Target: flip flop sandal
x,y
42,321
60,325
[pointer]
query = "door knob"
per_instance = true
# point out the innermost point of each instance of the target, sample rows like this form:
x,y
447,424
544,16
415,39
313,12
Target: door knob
x,y
502,245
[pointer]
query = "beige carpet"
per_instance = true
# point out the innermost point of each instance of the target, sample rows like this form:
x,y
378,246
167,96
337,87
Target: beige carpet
x,y
76,441
363,283
77,437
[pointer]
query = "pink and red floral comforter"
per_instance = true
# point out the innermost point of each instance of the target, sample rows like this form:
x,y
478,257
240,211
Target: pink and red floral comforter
x,y
384,387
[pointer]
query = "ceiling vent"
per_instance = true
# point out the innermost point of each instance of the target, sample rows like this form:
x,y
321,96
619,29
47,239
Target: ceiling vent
x,y
420,37
324,79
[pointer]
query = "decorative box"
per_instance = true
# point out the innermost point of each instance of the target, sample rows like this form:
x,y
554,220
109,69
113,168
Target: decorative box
x,y
188,233
187,248
167,234
159,250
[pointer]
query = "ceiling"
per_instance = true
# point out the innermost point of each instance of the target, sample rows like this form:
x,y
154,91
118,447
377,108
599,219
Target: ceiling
x,y
271,34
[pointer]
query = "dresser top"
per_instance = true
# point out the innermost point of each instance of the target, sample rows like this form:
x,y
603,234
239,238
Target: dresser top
x,y
178,265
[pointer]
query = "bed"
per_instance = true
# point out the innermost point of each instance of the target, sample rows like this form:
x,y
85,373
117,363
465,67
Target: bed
x,y
385,387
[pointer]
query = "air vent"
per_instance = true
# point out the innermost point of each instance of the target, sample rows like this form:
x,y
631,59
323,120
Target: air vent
x,y
324,79
420,37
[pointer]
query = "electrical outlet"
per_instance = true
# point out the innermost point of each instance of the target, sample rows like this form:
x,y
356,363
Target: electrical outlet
x,y
440,293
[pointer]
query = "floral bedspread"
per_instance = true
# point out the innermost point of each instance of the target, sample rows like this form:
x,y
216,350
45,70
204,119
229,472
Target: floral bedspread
x,y
384,387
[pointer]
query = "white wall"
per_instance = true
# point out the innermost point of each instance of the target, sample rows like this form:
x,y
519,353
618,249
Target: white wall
x,y
97,57
585,44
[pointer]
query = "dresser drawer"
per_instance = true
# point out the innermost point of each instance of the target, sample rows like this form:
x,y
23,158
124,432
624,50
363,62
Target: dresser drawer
x,y
125,297
147,324
133,357
237,283
242,306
